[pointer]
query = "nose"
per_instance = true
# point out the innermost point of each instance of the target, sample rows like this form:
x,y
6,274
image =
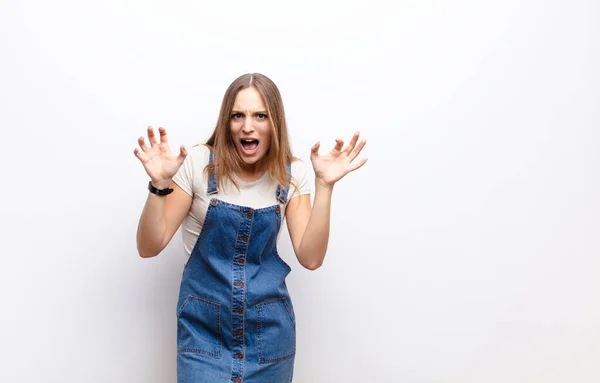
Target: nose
x,y
248,126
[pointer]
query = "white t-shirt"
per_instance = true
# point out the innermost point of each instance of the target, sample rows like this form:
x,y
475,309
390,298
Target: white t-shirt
x,y
256,194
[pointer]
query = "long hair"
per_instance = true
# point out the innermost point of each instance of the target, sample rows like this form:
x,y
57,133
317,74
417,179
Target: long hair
x,y
227,159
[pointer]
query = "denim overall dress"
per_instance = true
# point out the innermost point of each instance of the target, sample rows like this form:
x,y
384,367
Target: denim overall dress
x,y
235,320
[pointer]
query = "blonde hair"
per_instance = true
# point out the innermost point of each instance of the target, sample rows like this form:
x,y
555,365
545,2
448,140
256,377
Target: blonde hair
x,y
227,159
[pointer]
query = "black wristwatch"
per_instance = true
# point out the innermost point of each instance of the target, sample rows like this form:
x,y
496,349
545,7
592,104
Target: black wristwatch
x,y
156,191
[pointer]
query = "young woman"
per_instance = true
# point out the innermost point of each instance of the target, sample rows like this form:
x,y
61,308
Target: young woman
x,y
235,317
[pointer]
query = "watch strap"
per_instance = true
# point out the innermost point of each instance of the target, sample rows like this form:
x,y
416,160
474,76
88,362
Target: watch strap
x,y
160,192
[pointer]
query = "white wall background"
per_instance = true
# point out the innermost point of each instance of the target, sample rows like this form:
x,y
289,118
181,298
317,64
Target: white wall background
x,y
466,250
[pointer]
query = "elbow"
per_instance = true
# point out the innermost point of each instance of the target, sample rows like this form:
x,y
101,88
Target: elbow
x,y
148,249
311,259
146,253
312,266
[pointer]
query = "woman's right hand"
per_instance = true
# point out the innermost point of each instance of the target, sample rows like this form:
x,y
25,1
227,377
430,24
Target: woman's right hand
x,y
160,164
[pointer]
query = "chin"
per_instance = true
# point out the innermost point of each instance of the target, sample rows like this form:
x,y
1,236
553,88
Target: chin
x,y
254,161
249,161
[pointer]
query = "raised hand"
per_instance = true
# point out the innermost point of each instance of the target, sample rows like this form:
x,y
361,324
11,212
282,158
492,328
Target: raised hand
x,y
331,167
160,164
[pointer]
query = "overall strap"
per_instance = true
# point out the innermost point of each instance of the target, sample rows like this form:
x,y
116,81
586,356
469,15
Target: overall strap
x,y
282,192
212,182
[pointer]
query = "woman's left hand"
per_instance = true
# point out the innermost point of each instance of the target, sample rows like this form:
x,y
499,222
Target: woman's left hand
x,y
331,167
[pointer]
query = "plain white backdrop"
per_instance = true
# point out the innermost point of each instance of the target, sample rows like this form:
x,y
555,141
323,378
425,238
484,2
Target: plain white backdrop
x,y
465,251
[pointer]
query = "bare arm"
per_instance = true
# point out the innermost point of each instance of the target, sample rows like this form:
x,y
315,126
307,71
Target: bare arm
x,y
309,227
160,219
162,215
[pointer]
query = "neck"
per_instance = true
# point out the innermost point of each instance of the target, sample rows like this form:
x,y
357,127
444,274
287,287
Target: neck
x,y
252,172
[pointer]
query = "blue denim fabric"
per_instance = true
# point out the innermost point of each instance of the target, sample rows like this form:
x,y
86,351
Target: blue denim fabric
x,y
235,320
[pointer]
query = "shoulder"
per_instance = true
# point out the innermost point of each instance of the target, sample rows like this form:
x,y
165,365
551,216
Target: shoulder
x,y
190,175
301,174
199,153
299,168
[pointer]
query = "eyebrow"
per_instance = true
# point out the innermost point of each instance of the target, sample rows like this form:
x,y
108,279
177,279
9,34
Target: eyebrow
x,y
257,112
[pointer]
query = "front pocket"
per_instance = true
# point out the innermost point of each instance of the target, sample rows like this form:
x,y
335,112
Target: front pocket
x,y
276,331
199,327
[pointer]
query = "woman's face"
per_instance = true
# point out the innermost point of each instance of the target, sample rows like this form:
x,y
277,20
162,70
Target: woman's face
x,y
250,126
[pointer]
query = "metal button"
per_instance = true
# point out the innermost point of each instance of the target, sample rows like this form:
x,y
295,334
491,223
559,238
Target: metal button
x,y
249,214
238,332
241,261
277,209
243,238
239,283
239,355
237,380
213,202
238,310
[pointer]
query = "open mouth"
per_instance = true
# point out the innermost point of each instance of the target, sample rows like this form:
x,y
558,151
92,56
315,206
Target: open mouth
x,y
249,146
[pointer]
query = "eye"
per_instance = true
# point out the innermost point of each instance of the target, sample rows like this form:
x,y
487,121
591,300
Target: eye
x,y
261,116
236,116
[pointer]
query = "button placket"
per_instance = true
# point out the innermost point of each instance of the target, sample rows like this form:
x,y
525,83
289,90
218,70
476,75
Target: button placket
x,y
239,292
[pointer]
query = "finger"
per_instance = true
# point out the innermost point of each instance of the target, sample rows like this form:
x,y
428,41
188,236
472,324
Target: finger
x,y
352,142
140,155
314,151
357,149
152,137
339,144
142,144
357,164
182,154
163,135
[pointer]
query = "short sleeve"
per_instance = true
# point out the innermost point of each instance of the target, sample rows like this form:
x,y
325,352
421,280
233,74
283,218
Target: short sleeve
x,y
189,176
300,179
185,176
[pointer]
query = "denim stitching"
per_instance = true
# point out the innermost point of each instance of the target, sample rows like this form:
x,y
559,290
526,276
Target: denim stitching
x,y
261,358
233,265
208,211
277,256
217,307
241,207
